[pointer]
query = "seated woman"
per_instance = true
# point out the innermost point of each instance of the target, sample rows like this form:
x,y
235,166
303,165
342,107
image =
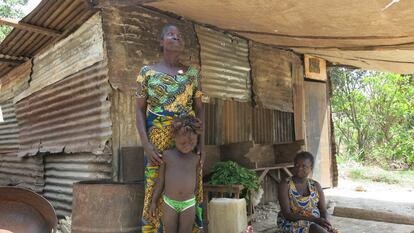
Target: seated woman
x,y
302,202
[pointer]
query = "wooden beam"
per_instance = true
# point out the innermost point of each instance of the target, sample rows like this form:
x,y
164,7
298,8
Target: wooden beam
x,y
109,3
29,27
373,215
12,60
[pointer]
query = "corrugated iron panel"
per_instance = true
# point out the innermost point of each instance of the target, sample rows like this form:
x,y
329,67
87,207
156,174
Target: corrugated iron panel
x,y
225,65
273,76
62,15
237,122
132,36
211,121
62,170
23,172
81,49
9,132
272,126
15,81
72,115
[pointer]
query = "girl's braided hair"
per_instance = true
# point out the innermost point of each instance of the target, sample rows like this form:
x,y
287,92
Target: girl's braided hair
x,y
186,124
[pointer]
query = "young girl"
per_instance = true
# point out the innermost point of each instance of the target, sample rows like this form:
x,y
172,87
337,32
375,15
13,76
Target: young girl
x,y
178,178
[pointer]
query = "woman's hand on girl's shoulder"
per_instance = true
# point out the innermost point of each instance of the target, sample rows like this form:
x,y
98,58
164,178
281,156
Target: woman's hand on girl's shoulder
x,y
154,157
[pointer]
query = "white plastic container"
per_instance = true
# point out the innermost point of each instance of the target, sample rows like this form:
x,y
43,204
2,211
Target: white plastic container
x,y
227,215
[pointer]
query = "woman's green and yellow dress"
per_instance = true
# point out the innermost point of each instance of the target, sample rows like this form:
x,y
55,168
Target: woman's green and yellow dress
x,y
167,97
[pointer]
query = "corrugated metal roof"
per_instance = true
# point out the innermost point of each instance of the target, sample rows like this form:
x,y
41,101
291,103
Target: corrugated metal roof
x,y
62,15
72,115
62,170
272,71
225,67
23,172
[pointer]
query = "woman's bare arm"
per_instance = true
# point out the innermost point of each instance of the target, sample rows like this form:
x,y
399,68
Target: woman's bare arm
x,y
153,156
198,108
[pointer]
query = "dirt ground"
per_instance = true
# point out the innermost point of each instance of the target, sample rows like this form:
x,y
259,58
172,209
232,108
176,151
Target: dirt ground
x,y
374,196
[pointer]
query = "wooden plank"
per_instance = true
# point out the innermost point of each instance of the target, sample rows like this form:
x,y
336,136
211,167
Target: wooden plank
x,y
287,171
373,215
318,140
29,27
298,101
262,176
117,3
276,179
277,166
12,60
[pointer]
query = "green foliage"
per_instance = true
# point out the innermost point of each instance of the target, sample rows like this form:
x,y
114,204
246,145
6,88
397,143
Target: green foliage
x,y
229,173
373,116
10,9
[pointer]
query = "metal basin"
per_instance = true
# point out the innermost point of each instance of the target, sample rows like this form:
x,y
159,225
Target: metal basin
x,y
24,211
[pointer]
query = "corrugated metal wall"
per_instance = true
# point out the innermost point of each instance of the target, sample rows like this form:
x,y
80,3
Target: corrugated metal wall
x,y
232,122
79,50
272,126
237,122
225,65
71,116
9,132
62,170
212,130
23,172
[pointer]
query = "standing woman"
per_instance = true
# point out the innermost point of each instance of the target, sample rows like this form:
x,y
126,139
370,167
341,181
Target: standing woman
x,y
166,90
302,201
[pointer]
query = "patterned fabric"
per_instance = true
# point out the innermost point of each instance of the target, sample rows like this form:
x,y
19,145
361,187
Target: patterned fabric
x,y
303,205
167,97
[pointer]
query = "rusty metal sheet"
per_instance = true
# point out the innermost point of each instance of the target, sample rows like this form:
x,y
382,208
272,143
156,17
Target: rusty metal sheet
x,y
64,16
237,122
69,116
225,65
212,113
23,172
81,49
132,36
273,76
62,170
272,126
15,81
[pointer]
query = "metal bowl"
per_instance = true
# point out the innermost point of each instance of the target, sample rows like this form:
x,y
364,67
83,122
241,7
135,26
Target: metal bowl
x,y
24,211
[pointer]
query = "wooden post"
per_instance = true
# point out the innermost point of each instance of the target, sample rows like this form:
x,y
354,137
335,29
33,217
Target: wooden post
x,y
29,27
373,215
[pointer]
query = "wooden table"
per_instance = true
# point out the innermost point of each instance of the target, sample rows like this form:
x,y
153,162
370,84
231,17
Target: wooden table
x,y
278,167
